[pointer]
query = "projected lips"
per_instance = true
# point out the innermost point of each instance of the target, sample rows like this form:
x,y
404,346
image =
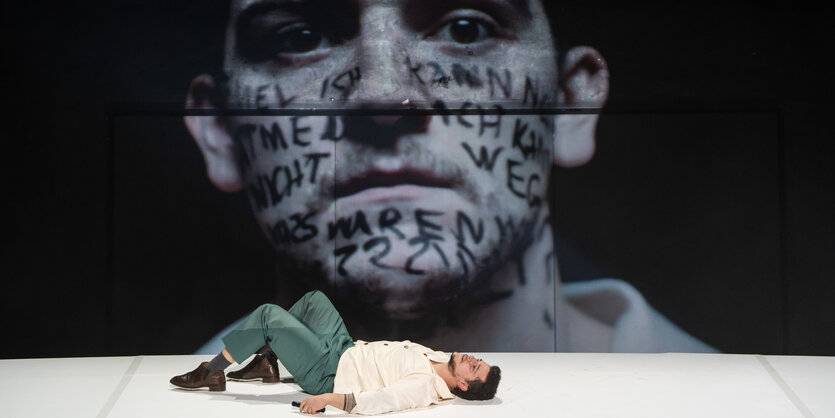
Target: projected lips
x,y
374,179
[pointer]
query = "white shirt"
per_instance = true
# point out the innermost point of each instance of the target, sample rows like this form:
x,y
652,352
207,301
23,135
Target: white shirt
x,y
387,376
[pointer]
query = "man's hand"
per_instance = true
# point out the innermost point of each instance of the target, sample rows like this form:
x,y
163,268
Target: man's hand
x,y
314,404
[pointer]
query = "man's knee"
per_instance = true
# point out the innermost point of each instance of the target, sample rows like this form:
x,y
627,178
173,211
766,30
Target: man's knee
x,y
266,308
321,300
316,295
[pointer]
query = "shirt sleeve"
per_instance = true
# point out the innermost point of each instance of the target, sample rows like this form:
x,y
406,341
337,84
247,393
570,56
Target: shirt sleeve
x,y
413,391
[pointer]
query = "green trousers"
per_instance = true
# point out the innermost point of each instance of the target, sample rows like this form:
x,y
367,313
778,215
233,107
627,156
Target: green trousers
x,y
308,339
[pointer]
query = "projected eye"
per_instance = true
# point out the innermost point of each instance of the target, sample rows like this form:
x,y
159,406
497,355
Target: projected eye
x,y
466,30
301,34
297,39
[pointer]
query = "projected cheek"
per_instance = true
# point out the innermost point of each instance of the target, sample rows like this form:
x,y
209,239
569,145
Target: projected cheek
x,y
243,92
496,83
513,149
286,158
341,85
284,90
280,158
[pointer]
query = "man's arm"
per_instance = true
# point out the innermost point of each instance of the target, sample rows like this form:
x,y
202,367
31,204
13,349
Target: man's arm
x,y
416,390
413,391
314,404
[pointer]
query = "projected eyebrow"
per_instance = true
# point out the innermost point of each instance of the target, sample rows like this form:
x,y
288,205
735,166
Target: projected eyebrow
x,y
418,14
522,6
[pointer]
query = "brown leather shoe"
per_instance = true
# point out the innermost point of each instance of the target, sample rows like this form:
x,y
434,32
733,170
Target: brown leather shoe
x,y
201,377
261,367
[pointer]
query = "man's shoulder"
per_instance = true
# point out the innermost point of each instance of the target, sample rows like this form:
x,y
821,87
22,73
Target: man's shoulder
x,y
407,344
637,327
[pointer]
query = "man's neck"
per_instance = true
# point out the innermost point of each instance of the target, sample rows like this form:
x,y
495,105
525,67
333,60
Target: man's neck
x,y
442,370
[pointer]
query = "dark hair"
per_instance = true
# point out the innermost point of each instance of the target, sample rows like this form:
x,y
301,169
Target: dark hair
x,y
478,390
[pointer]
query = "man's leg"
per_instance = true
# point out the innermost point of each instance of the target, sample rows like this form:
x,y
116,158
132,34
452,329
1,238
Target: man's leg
x,y
301,347
316,311
309,341
303,339
263,367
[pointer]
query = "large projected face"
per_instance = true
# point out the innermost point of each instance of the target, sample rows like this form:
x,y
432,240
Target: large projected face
x,y
400,211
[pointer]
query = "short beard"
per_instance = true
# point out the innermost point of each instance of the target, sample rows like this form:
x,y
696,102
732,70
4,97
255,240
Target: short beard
x,y
446,302
451,364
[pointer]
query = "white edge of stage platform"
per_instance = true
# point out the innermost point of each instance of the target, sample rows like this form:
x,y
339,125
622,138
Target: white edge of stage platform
x,y
533,384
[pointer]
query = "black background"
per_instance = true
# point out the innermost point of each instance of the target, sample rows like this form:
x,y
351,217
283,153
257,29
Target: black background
x,y
711,191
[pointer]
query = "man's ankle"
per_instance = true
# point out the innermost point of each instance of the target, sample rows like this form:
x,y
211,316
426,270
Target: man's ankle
x,y
218,363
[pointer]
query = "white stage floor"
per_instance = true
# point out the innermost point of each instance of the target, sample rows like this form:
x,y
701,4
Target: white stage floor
x,y
546,384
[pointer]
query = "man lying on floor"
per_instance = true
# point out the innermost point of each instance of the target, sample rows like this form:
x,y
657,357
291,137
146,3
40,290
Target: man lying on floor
x,y
359,377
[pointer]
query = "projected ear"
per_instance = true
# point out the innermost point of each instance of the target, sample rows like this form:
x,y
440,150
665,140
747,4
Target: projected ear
x,y
212,137
584,86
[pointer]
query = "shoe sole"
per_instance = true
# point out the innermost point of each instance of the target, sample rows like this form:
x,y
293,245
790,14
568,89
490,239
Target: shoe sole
x,y
262,379
215,388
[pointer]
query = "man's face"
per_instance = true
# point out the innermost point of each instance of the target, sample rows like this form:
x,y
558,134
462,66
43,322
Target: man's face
x,y
403,212
468,367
